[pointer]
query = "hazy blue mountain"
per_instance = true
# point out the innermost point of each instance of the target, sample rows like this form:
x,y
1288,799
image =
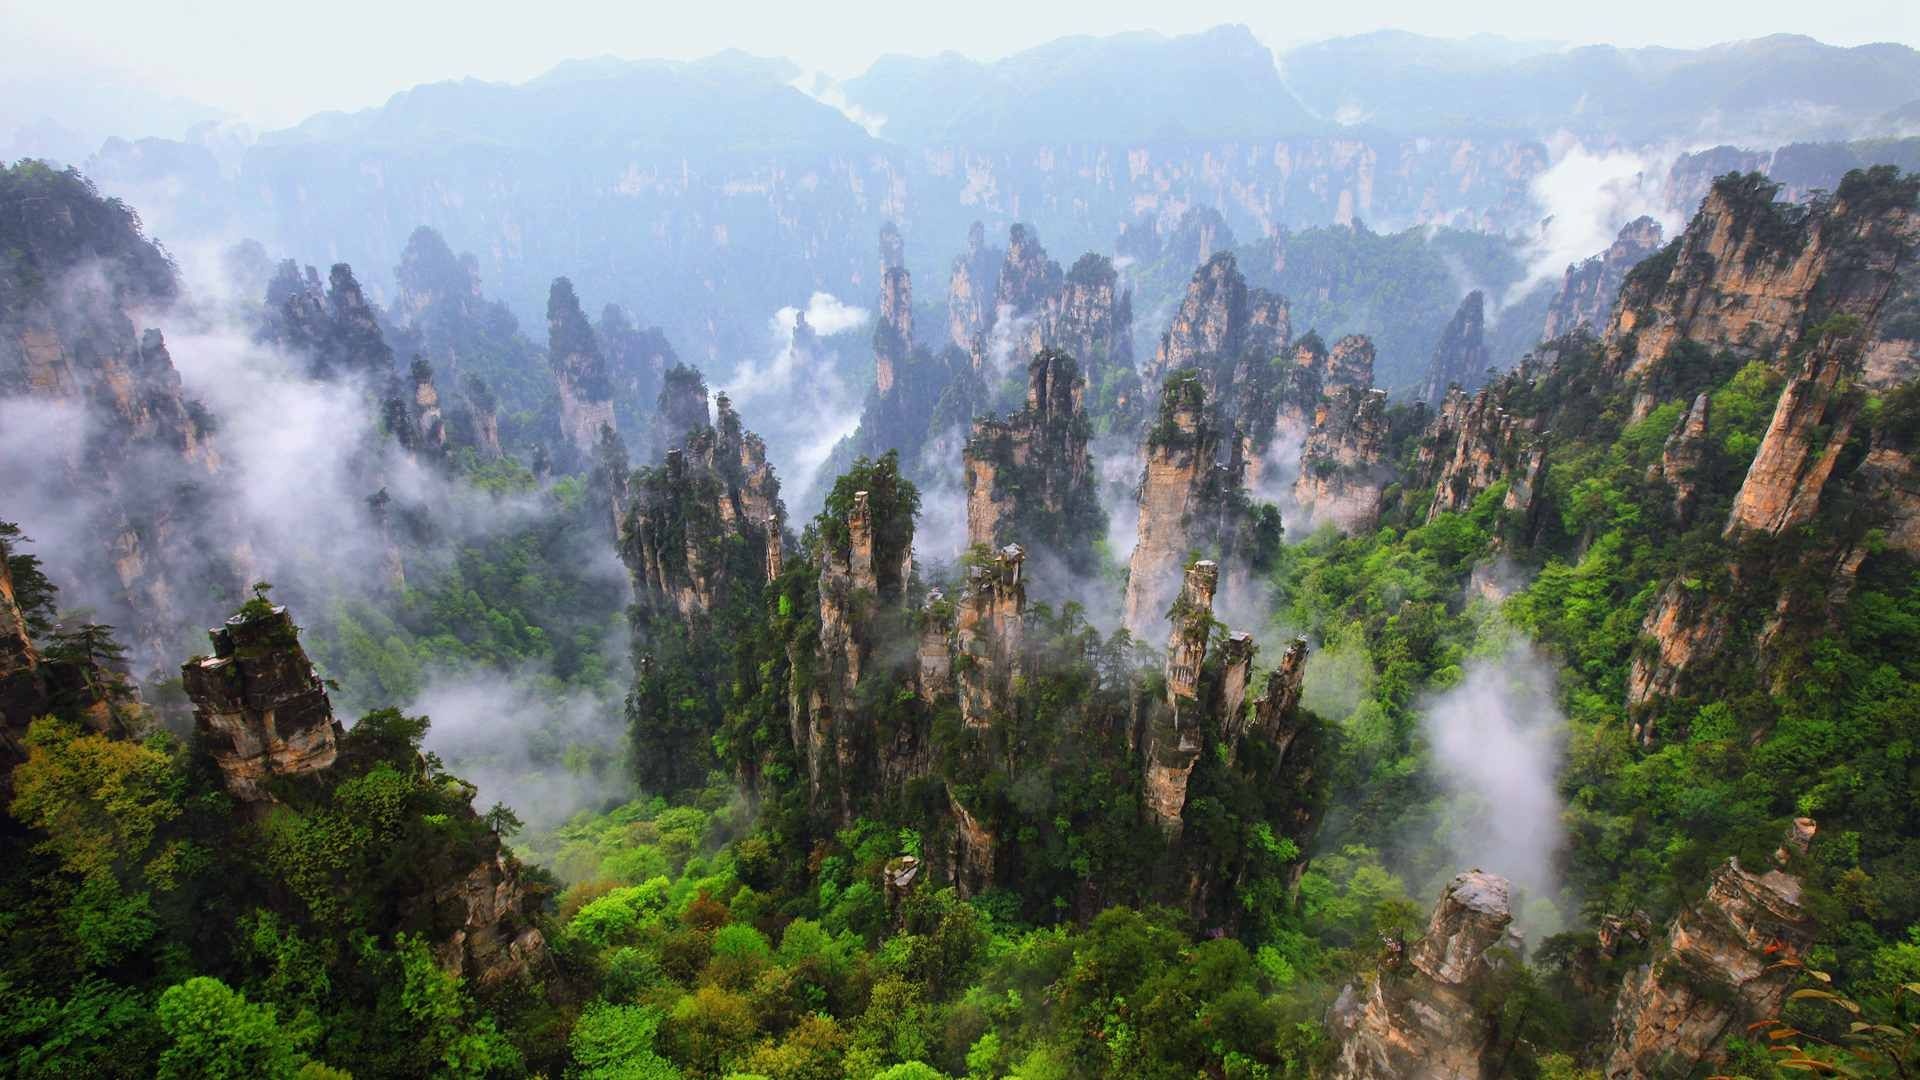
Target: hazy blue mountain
x,y
1781,87
1218,84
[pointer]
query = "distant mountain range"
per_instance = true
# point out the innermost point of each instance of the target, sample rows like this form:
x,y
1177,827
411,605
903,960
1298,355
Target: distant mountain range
x,y
709,194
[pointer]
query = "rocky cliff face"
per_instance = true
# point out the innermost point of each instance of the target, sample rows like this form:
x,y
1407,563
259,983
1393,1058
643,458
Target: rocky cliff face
x,y
1175,737
1810,427
1090,319
679,532
971,292
1682,457
1751,276
264,716
1461,358
1588,290
586,391
1419,1020
76,282
1219,321
1473,443
1030,475
336,329
259,704
1182,452
1028,279
1342,467
1715,972
893,334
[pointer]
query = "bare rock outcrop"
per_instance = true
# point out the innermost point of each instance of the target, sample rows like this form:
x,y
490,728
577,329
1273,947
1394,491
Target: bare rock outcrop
x,y
1810,427
1717,970
1089,318
1588,290
1419,1019
260,705
1461,358
1176,735
971,291
1751,275
1030,475
1219,320
681,518
1028,279
1181,452
1682,457
1473,443
579,370
1342,468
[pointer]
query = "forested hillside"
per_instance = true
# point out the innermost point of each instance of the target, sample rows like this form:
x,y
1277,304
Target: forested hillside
x,y
1171,674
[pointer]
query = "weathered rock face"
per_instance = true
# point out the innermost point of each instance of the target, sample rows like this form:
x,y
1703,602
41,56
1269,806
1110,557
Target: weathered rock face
x,y
260,705
1031,475
1219,321
586,391
1089,319
78,275
335,329
1175,738
1589,289
1682,456
1342,468
1461,358
1751,276
1419,1019
893,334
681,519
1715,972
1810,427
22,694
1180,455
1028,279
1474,443
971,292
989,631
494,939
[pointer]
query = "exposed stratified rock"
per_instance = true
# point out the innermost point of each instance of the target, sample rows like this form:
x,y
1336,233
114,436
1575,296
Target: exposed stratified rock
x,y
1461,358
1028,279
677,531
989,633
1810,427
1342,468
893,334
1682,456
1419,1020
1090,319
1030,475
1474,443
1180,454
259,704
971,292
76,272
1349,365
1589,289
1750,275
336,330
495,939
1717,971
1174,737
1219,320
586,391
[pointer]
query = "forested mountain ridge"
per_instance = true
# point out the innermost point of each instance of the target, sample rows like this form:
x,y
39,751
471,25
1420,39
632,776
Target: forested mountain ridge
x,y
902,818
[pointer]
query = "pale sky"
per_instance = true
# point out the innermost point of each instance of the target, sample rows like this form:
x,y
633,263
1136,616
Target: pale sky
x,y
273,64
